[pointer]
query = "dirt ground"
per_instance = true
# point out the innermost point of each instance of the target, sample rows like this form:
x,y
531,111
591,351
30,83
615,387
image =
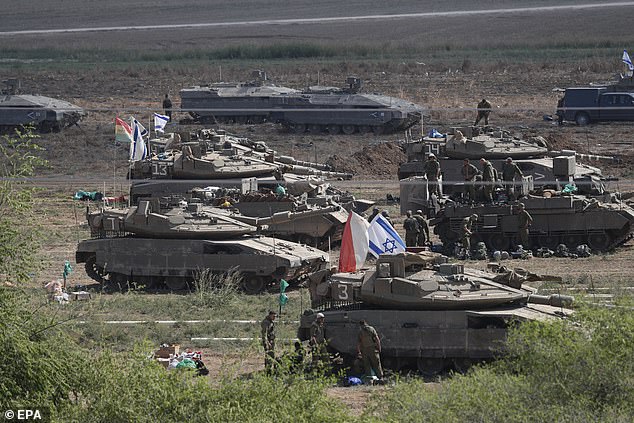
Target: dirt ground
x,y
521,92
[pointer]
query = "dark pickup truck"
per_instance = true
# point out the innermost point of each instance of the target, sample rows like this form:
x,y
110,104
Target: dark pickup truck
x,y
596,104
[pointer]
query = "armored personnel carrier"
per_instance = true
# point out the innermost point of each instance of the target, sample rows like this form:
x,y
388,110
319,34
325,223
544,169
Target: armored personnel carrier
x,y
571,220
547,168
151,248
429,314
317,109
44,113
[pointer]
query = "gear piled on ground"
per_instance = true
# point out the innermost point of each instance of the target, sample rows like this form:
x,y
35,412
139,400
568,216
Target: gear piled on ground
x,y
374,160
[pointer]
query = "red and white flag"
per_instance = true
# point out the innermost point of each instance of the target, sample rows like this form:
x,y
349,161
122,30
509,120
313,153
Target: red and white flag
x,y
354,244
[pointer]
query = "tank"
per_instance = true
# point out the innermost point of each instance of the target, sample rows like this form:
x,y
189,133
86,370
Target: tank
x,y
495,145
570,220
44,113
168,247
430,314
317,109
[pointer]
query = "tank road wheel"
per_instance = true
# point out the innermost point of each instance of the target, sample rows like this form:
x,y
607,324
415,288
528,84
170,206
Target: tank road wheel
x,y
378,130
549,241
498,242
572,241
333,129
298,128
252,284
93,270
348,129
599,241
314,129
430,367
176,283
364,129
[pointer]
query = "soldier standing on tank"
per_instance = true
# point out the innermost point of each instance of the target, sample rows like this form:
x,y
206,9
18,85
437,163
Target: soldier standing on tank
x,y
524,221
318,339
488,179
412,229
469,173
484,110
167,106
268,340
369,348
509,171
432,172
466,231
423,235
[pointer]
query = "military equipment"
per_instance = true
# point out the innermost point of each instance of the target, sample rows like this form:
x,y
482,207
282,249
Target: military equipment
x,y
571,220
429,314
44,113
150,248
547,168
317,109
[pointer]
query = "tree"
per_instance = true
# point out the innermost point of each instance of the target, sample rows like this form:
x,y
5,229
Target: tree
x,y
19,159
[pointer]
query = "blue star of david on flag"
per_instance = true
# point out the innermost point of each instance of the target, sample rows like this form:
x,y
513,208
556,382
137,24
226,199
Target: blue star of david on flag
x,y
383,239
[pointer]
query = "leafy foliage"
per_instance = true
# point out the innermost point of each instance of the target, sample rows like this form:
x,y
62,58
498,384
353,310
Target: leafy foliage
x,y
18,237
577,370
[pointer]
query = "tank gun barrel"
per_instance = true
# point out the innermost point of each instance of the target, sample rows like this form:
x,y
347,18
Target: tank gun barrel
x,y
581,156
303,170
288,160
285,216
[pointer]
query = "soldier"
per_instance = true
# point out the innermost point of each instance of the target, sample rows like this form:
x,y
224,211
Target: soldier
x,y
560,111
432,172
375,211
488,179
469,173
167,106
369,348
318,339
509,171
484,109
467,231
524,221
412,229
423,235
268,340
386,216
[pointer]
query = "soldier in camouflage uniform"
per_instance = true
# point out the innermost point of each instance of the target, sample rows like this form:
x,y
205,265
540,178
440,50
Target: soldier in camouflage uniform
x,y
369,348
484,110
469,173
318,339
509,171
488,179
412,229
268,340
423,235
524,220
466,232
432,172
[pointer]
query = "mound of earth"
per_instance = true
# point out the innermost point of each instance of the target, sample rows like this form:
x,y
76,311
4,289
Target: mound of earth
x,y
374,160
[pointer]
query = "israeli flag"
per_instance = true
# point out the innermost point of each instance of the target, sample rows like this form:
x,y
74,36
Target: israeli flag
x,y
159,122
383,238
138,149
627,60
144,132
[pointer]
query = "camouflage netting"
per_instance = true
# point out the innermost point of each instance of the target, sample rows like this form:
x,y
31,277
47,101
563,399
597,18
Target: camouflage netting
x,y
374,160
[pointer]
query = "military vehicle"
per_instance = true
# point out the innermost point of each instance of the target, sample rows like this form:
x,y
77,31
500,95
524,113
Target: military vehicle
x,y
150,248
571,220
44,113
429,314
547,168
317,109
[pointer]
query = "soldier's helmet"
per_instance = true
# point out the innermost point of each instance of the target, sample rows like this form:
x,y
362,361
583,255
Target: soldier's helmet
x,y
509,159
409,213
474,216
419,211
375,209
320,315
432,156
521,205
385,213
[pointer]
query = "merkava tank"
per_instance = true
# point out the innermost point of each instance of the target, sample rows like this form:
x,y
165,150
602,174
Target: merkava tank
x,y
547,168
317,109
572,220
429,314
150,248
44,113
